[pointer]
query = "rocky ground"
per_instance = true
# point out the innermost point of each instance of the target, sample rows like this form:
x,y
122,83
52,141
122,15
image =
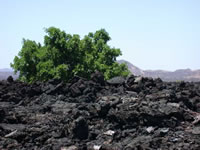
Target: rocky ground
x,y
120,114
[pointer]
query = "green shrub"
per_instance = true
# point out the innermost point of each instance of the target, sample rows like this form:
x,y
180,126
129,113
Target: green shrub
x,y
63,55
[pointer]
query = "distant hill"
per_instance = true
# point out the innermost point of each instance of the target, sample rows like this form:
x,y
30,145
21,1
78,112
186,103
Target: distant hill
x,y
6,72
135,70
180,74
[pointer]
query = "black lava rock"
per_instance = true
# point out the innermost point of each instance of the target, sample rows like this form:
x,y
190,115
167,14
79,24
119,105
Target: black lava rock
x,y
118,114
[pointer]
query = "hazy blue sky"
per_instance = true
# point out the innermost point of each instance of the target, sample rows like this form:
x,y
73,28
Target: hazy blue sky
x,y
152,34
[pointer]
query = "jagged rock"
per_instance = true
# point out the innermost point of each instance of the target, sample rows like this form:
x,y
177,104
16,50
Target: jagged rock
x,y
10,79
195,130
2,114
150,129
138,79
80,129
131,113
98,77
110,147
140,142
69,148
116,81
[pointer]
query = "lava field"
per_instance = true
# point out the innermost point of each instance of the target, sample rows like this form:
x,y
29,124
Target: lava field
x,y
133,113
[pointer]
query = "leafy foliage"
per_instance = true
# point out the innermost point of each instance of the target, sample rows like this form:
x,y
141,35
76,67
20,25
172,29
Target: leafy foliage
x,y
63,55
